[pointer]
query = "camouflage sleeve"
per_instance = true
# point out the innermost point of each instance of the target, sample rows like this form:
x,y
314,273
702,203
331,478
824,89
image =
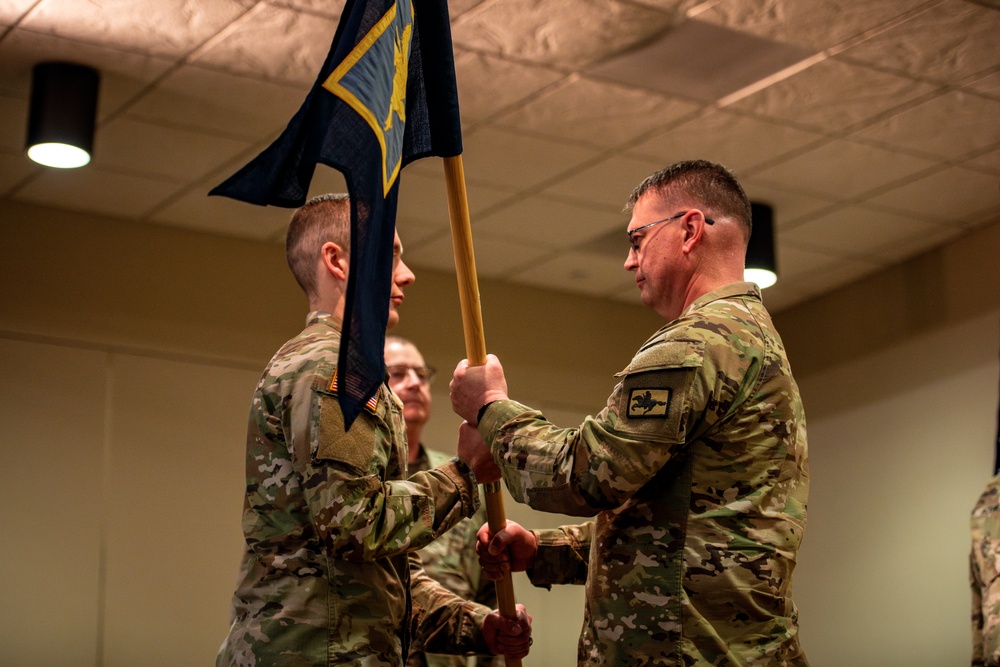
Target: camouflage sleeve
x,y
976,584
452,561
562,557
443,622
984,569
361,512
669,392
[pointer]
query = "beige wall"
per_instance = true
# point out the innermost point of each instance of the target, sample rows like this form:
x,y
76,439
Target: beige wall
x,y
128,355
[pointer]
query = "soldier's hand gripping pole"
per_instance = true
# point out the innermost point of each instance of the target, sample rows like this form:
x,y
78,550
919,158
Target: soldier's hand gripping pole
x,y
475,344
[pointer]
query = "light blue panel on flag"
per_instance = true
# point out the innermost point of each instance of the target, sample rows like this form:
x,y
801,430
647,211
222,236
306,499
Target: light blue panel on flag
x,y
363,81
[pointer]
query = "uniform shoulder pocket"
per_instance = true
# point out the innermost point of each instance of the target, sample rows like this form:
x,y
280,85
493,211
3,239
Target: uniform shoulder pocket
x,y
652,398
660,354
354,448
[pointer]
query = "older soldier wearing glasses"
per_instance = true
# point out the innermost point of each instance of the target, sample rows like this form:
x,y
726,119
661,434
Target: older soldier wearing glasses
x,y
451,559
695,470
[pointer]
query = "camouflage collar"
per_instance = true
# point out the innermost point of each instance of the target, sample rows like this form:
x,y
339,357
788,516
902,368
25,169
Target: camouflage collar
x,y
322,317
741,289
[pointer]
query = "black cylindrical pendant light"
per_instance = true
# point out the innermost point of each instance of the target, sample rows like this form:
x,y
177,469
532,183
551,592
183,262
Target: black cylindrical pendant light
x,y
761,267
62,114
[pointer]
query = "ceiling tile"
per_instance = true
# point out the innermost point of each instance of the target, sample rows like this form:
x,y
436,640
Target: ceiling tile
x,y
274,43
831,170
481,78
416,234
152,149
816,270
841,274
988,85
680,8
13,134
458,7
607,183
324,181
578,272
224,216
214,101
123,75
739,142
565,33
195,209
816,25
783,295
868,234
91,189
14,169
601,114
989,161
973,121
947,43
548,223
832,95
678,64
12,10
168,28
498,157
790,205
951,196
495,258
423,196
331,8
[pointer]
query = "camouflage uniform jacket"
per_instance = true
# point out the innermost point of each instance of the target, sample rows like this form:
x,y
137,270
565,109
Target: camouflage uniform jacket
x,y
330,524
984,566
452,561
696,473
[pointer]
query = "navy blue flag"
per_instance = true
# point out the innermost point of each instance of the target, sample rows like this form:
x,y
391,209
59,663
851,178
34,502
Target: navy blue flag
x,y
386,96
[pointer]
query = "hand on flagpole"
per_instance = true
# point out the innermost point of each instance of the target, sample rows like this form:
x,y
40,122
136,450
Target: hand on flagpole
x,y
472,387
473,450
511,549
510,637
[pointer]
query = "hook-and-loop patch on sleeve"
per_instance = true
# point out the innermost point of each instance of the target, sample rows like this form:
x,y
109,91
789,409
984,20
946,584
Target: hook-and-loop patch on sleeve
x,y
653,395
354,448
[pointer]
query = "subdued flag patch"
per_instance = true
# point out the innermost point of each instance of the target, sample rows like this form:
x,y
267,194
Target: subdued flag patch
x,y
371,404
648,402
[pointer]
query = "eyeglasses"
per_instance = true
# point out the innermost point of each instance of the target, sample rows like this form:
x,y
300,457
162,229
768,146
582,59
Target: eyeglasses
x,y
425,374
634,242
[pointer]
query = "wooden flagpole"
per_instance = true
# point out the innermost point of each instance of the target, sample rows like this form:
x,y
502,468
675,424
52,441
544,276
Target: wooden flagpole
x,y
475,343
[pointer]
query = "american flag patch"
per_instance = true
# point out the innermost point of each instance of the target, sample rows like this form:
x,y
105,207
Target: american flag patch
x,y
372,402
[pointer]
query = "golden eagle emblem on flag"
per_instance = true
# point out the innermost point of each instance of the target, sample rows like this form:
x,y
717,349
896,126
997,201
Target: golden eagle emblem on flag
x,y
376,94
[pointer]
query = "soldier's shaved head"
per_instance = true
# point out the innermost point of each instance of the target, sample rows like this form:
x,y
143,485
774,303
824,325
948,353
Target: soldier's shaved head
x,y
322,219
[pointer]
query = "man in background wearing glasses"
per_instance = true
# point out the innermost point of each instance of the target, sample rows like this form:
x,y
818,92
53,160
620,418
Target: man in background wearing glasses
x,y
695,471
450,559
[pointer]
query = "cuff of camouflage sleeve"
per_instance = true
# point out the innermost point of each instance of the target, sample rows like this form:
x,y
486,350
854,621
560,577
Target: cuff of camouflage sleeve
x,y
558,560
477,644
496,415
465,480
540,571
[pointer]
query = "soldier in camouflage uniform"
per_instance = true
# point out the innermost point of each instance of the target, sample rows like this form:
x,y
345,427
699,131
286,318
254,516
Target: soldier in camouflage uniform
x,y
984,566
695,471
329,575
450,560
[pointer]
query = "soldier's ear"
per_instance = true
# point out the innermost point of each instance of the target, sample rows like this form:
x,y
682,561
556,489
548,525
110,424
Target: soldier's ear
x,y
334,260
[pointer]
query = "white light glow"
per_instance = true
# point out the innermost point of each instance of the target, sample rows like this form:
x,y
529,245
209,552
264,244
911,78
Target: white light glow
x,y
62,156
762,277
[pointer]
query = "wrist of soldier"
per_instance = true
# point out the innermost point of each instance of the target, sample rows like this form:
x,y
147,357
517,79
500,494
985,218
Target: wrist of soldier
x,y
482,411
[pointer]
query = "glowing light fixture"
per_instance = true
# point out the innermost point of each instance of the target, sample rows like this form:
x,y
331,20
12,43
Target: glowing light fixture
x,y
62,114
761,267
